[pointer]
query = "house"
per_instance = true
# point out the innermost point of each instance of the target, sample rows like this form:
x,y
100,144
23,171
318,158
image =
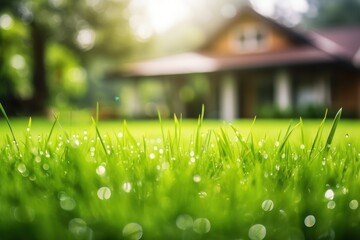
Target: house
x,y
254,63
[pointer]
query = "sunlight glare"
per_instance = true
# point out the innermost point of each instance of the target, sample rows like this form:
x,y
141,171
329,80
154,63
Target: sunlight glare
x,y
164,14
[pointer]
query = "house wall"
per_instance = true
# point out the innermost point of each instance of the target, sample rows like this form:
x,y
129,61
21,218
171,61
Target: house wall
x,y
345,91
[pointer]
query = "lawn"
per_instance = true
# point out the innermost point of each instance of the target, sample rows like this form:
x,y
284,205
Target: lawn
x,y
173,179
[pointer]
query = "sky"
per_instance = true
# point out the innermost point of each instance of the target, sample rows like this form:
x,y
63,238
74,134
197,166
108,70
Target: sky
x,y
157,16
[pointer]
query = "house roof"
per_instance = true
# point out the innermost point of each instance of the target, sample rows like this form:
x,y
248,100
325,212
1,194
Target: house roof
x,y
298,37
323,46
196,62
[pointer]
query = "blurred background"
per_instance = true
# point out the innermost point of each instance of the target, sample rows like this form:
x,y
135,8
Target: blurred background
x,y
56,55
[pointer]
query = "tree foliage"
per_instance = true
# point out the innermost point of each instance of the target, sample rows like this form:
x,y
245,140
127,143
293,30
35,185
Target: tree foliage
x,y
87,29
329,13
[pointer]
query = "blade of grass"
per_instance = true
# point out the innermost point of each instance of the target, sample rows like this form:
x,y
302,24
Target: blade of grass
x,y
29,123
318,134
302,131
9,125
198,130
162,128
99,135
287,135
332,131
250,131
52,129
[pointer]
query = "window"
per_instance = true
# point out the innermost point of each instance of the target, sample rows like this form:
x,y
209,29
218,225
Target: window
x,y
250,38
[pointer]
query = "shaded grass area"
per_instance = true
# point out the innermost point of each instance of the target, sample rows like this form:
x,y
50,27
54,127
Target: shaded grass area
x,y
179,180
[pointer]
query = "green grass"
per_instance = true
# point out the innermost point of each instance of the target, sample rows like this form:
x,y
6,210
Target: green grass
x,y
179,179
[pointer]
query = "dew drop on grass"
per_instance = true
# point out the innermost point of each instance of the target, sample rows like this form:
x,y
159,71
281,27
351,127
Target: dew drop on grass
x,y
152,155
310,221
347,135
202,225
302,146
126,187
257,232
354,204
37,159
331,205
184,222
202,194
21,168
132,231
277,143
104,193
329,194
100,170
24,214
67,203
78,227
46,166
75,143
267,205
197,178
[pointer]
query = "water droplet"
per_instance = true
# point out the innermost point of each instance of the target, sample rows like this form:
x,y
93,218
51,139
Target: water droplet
x,y
101,170
202,194
267,205
310,221
302,146
184,222
257,232
197,178
24,214
37,159
77,226
202,225
329,194
104,193
75,143
21,168
46,166
116,98
277,143
67,203
132,231
126,187
331,205
354,204
152,155
347,135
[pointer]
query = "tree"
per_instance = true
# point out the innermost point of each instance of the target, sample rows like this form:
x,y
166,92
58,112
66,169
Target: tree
x,y
333,13
90,29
